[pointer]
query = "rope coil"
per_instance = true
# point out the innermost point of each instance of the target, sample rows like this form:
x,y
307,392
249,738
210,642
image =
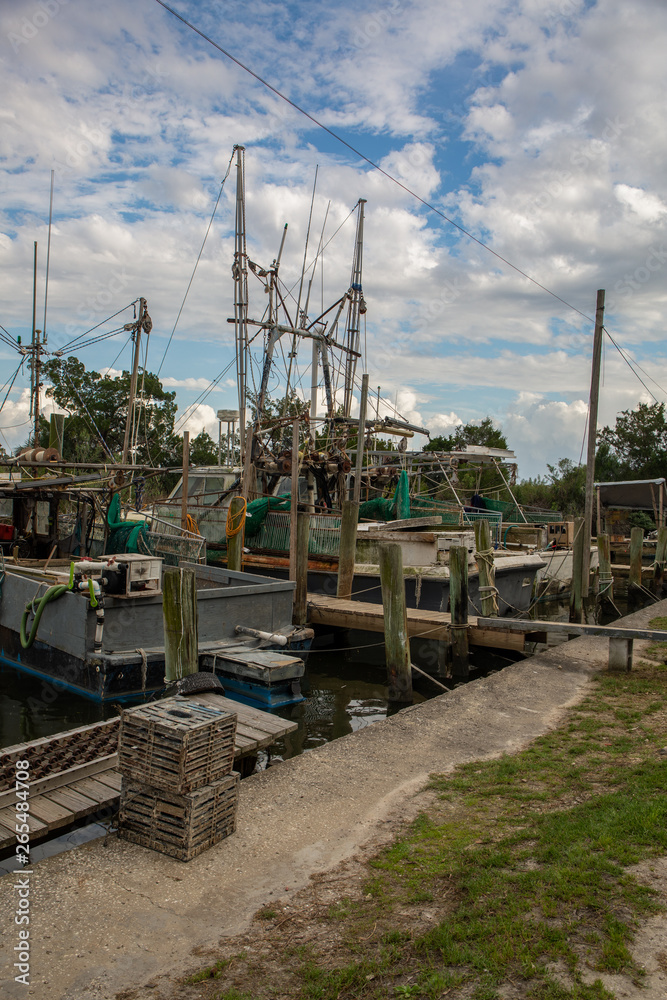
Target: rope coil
x,y
235,521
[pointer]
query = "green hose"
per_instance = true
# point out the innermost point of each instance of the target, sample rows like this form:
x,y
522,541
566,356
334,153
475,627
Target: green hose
x,y
51,595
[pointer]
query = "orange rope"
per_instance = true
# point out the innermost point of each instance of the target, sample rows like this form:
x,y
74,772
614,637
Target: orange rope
x,y
235,521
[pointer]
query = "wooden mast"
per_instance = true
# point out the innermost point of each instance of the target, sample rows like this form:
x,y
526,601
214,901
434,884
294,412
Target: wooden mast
x,y
592,437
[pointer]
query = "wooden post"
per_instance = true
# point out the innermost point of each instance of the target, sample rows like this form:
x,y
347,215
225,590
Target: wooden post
x,y
397,643
348,548
56,432
605,578
576,596
361,434
487,571
635,578
592,438
301,593
236,539
186,468
294,502
458,602
179,612
660,557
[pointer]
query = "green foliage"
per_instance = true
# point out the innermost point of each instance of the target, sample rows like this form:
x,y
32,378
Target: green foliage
x,y
203,450
563,488
484,433
97,405
636,447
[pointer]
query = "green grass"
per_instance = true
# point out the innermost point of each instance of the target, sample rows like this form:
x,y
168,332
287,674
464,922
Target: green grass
x,y
521,865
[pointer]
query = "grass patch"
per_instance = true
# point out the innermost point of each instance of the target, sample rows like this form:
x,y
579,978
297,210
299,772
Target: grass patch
x,y
516,877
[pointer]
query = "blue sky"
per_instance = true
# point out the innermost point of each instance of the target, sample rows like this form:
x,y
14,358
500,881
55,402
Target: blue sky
x,y
536,125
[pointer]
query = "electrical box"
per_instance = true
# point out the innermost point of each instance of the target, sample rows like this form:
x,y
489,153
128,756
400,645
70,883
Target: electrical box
x,y
134,575
560,533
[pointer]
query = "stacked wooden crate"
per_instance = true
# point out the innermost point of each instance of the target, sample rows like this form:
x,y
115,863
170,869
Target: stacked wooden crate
x,y
179,794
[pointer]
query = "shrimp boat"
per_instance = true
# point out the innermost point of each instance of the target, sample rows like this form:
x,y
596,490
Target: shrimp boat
x,y
95,626
289,451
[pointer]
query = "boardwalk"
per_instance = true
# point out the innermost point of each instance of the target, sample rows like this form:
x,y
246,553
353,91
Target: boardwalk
x,y
62,792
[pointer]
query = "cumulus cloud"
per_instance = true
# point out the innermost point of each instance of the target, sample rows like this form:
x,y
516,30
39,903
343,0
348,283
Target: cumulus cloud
x,y
512,119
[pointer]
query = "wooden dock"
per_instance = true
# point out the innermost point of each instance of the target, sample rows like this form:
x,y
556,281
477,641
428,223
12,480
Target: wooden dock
x,y
421,624
61,793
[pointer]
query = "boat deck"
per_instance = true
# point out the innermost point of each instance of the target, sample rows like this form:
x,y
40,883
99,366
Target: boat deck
x,y
61,793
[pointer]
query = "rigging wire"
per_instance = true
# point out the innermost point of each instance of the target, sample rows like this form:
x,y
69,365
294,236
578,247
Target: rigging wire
x,y
630,365
7,338
367,159
69,346
13,379
201,250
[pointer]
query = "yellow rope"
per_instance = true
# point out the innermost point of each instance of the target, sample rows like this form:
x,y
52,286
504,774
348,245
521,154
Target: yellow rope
x,y
235,521
192,525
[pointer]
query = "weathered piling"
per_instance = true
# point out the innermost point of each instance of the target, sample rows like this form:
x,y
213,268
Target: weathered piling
x,y
57,431
300,612
576,595
348,548
235,532
487,570
605,578
184,487
458,600
635,577
397,643
660,558
179,612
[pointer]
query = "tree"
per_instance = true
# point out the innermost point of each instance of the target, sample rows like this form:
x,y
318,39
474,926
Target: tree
x,y
97,406
484,434
636,447
203,450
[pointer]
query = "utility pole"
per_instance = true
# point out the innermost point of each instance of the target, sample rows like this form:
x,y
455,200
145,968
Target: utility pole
x,y
592,437
136,337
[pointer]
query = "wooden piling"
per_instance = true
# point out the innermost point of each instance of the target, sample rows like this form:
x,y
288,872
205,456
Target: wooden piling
x,y
56,431
300,614
605,578
348,548
576,596
397,643
184,487
179,612
294,501
635,577
458,600
660,559
235,531
486,568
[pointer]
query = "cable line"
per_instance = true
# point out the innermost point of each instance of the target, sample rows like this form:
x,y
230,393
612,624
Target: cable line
x,y
201,250
367,159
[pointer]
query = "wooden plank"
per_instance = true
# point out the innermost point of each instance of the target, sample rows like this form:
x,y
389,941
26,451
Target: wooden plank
x,y
92,789
49,812
571,628
78,805
111,778
421,624
8,820
413,522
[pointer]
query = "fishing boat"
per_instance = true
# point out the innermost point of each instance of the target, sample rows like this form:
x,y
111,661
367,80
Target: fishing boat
x,y
292,453
96,628
94,624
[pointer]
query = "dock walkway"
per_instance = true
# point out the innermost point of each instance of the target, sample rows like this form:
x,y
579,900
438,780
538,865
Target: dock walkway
x,y
422,624
75,774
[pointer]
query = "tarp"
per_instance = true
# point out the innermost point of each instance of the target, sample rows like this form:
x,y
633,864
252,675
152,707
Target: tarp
x,y
637,494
